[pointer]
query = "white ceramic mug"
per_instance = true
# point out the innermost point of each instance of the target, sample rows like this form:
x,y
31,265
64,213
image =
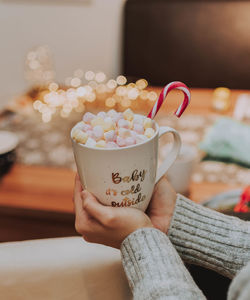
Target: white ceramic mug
x,y
124,176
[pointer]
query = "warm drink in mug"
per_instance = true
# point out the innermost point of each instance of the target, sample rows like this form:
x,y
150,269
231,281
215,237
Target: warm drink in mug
x,y
124,176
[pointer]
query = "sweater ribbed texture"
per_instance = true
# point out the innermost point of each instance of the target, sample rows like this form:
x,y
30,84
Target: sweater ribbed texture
x,y
240,286
201,236
209,239
154,269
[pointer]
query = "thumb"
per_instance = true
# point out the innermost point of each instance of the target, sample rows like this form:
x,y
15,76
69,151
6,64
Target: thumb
x,y
94,208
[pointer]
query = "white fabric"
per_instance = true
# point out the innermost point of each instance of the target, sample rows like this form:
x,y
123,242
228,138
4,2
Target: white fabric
x,y
62,268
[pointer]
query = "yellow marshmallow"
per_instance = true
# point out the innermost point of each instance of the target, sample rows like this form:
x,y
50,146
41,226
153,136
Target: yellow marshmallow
x,y
124,133
101,144
131,124
79,136
149,132
108,125
128,114
147,123
97,121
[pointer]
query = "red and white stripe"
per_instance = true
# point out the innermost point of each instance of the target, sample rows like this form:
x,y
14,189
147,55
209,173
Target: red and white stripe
x,y
172,85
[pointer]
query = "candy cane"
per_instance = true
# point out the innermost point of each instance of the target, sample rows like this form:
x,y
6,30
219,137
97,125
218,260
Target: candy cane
x,y
172,85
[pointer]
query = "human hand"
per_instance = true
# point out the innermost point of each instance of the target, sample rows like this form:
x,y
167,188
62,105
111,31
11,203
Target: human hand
x,y
102,224
162,205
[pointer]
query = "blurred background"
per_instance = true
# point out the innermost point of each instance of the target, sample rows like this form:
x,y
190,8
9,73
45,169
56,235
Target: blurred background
x,y
62,58
80,34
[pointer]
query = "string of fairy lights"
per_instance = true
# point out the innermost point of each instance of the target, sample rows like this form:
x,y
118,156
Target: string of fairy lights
x,y
91,90
97,93
83,91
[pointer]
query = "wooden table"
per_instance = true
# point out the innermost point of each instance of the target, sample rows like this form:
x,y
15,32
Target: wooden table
x,y
36,201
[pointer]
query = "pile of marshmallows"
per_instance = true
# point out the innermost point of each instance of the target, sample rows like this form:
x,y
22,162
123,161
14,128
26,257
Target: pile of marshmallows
x,y
113,129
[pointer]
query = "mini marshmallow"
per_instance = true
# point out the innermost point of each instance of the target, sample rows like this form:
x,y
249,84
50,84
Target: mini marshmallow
x,y
124,133
128,114
123,123
120,142
90,143
90,133
113,129
101,114
97,121
131,124
149,132
138,119
86,127
98,132
80,125
111,113
130,141
133,134
110,136
79,136
111,145
101,144
117,117
108,124
147,123
138,128
88,117
141,138
83,126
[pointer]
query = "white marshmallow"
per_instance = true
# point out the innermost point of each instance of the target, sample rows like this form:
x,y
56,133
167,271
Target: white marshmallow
x,y
120,142
90,143
123,123
98,132
128,114
110,135
101,114
149,132
101,144
147,123
79,136
130,141
88,117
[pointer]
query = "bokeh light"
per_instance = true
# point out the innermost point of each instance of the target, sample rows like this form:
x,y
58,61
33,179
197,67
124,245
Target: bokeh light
x,y
121,80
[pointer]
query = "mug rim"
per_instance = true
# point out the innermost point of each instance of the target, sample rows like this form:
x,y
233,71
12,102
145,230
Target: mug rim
x,y
120,148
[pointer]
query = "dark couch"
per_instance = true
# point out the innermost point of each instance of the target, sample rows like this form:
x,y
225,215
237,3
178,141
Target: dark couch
x,y
202,43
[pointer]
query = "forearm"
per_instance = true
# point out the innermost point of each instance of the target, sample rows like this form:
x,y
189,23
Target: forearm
x,y
208,238
154,269
240,286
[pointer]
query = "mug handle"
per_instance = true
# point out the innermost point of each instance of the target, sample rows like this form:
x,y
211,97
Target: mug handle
x,y
171,157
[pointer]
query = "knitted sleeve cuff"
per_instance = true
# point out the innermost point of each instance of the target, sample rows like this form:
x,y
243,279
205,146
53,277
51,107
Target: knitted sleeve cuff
x,y
208,238
154,269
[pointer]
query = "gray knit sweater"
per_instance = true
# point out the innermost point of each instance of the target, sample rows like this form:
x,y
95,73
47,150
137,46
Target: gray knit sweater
x,y
200,236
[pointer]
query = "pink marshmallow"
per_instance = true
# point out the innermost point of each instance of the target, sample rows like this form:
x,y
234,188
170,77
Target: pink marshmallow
x,y
123,123
120,142
88,117
130,141
98,132
139,128
86,127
